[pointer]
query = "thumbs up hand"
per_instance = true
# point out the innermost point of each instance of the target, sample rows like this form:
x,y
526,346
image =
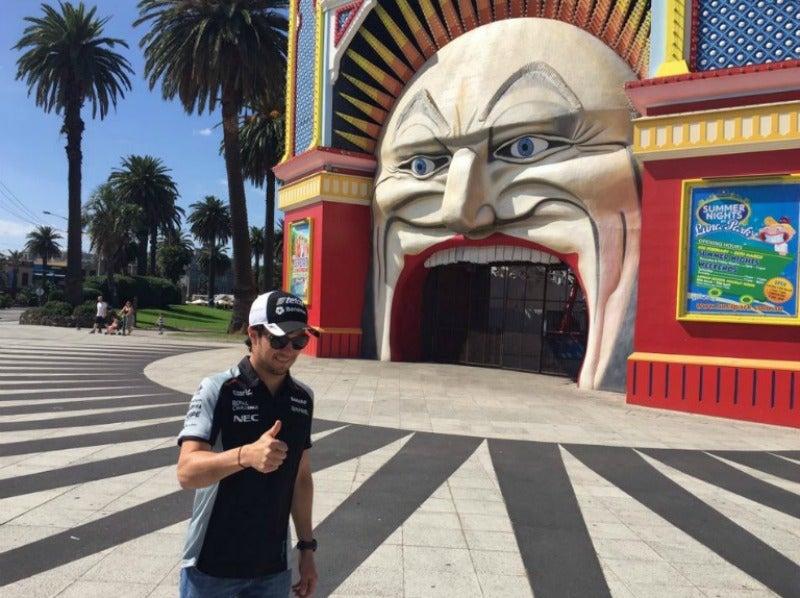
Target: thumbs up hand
x,y
267,453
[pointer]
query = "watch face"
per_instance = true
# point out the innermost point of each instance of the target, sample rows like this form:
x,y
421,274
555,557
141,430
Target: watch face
x,y
303,545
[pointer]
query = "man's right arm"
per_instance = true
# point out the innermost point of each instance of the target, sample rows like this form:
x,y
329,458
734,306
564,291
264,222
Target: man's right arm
x,y
199,466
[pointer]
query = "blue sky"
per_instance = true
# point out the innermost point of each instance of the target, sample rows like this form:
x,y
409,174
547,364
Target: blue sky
x,y
33,163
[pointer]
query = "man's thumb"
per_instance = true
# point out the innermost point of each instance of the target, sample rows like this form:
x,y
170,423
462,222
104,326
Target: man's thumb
x,y
274,430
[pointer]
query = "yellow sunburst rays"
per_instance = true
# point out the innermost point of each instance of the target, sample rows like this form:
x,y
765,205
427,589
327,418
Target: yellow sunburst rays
x,y
615,22
602,10
623,25
484,11
384,100
372,130
583,13
419,32
639,55
406,46
566,12
533,8
622,28
550,9
516,8
438,30
468,16
451,19
390,59
500,10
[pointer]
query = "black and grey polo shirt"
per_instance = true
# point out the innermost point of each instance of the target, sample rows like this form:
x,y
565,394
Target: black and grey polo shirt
x,y
239,525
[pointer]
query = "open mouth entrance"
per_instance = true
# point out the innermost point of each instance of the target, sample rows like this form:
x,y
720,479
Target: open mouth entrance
x,y
519,316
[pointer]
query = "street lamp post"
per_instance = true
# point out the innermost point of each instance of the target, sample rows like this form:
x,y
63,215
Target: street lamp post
x,y
44,274
97,257
56,215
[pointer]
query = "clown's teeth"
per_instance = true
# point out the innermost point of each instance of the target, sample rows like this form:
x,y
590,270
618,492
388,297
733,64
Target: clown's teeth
x,y
489,255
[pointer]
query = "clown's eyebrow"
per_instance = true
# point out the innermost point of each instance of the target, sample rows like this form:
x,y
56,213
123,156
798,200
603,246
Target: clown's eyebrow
x,y
535,74
421,103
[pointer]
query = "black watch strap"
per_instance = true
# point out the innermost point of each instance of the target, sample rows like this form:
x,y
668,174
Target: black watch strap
x,y
305,545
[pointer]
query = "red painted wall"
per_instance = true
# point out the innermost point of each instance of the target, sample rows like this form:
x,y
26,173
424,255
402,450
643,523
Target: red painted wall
x,y
339,265
657,330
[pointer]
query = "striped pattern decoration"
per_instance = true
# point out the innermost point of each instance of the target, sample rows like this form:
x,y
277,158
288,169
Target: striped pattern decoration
x,y
397,38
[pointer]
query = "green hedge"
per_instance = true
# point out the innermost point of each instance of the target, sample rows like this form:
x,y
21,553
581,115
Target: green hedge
x,y
144,291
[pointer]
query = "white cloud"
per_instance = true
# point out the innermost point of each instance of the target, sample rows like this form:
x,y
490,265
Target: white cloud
x,y
13,234
10,227
204,132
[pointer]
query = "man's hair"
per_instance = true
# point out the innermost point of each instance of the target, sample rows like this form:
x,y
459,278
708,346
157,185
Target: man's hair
x,y
260,331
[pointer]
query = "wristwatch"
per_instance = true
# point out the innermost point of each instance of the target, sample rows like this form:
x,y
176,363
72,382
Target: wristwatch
x,y
304,545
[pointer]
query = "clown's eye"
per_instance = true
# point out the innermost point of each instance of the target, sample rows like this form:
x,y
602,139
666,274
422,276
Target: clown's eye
x,y
424,166
524,149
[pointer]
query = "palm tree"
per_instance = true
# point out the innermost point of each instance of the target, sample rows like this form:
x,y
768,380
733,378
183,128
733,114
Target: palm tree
x,y
15,260
261,137
213,259
174,254
146,182
210,222
207,52
3,273
110,222
257,247
43,243
277,257
66,62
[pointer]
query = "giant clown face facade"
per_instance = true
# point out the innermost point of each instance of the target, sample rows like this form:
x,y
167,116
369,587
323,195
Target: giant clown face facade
x,y
516,133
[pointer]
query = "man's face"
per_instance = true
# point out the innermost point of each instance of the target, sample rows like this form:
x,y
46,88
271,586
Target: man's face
x,y
264,357
516,132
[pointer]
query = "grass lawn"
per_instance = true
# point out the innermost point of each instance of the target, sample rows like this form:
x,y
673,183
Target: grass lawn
x,y
210,321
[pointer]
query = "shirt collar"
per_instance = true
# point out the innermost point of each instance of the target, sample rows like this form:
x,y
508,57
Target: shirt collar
x,y
249,377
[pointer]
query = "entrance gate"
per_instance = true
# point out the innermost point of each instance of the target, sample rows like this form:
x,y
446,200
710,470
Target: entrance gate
x,y
518,316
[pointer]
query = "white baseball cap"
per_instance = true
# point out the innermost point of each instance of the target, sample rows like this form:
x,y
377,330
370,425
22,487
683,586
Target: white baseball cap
x,y
280,313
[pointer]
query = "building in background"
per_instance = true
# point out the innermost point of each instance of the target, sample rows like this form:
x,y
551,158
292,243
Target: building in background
x,y
603,190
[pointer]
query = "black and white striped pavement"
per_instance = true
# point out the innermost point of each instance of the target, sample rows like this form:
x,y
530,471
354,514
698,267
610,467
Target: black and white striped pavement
x,y
89,505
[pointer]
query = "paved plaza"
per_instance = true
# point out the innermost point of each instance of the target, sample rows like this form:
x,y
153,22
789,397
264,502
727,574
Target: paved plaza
x,y
431,480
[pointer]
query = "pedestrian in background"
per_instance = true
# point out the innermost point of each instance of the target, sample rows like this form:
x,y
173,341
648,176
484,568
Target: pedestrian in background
x,y
128,317
100,316
246,450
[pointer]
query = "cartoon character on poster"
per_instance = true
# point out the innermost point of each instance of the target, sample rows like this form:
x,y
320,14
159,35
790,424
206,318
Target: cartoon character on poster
x,y
777,233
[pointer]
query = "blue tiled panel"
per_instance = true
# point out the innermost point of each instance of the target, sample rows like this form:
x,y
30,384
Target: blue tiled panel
x,y
735,33
304,119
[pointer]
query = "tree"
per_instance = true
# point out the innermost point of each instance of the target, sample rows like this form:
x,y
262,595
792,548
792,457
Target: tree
x,y
15,260
174,255
207,52
261,137
66,62
110,222
213,259
146,182
210,222
257,247
277,257
43,243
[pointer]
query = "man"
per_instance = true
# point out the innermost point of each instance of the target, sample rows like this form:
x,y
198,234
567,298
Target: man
x,y
245,448
100,316
517,136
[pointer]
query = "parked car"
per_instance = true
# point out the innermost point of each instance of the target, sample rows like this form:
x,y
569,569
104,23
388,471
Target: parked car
x,y
223,301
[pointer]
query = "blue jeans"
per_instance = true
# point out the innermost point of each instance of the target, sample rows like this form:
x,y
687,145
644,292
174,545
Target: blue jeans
x,y
195,584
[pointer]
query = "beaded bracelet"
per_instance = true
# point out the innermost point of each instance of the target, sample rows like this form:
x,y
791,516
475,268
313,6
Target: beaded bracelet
x,y
239,457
